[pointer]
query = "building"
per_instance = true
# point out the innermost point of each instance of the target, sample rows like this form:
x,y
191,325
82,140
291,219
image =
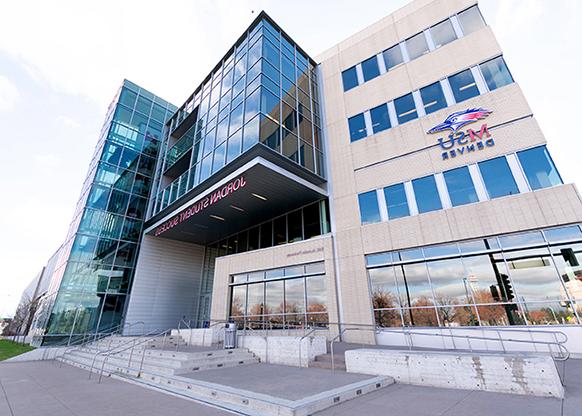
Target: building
x,y
397,179
91,273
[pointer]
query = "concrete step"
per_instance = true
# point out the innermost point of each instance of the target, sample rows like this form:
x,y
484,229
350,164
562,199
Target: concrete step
x,y
324,361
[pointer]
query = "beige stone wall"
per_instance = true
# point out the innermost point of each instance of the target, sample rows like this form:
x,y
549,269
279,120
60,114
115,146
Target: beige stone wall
x,y
407,152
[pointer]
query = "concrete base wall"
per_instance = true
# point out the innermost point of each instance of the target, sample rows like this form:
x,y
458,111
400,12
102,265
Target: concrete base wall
x,y
498,341
284,350
204,337
512,373
39,354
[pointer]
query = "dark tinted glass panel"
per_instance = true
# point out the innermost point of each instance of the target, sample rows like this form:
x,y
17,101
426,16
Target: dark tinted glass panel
x,y
295,225
254,238
498,178
433,98
266,234
443,33
380,118
539,168
369,211
311,222
396,201
471,20
463,86
496,73
460,186
280,230
405,108
357,127
392,56
350,78
426,194
370,68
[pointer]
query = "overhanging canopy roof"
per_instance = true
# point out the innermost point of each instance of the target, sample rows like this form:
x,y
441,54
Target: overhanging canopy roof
x,y
256,192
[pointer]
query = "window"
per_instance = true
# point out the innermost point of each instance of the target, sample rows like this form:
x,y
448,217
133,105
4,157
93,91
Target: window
x,y
369,211
416,46
498,178
392,57
460,186
396,201
426,194
539,168
442,33
380,118
471,20
463,85
370,68
350,78
405,108
357,127
496,73
433,98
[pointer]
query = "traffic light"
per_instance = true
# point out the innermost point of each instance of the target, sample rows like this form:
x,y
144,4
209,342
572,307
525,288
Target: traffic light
x,y
506,289
495,293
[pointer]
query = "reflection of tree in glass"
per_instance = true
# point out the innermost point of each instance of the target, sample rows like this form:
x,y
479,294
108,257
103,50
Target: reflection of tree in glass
x,y
386,300
236,308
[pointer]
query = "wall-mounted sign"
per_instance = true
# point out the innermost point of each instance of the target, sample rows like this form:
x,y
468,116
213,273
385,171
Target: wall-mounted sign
x,y
461,142
202,204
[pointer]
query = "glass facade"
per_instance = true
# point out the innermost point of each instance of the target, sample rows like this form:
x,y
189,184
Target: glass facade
x,y
293,297
263,92
92,276
531,278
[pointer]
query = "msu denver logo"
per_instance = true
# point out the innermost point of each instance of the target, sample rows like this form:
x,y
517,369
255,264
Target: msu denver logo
x,y
467,141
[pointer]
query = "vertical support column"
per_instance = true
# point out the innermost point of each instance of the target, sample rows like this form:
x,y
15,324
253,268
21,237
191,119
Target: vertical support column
x,y
517,173
409,190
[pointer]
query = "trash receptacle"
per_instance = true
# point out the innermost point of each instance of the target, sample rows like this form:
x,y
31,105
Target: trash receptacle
x,y
230,335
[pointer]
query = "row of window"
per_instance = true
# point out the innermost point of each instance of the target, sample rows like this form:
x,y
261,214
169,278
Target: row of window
x,y
454,89
294,299
302,224
514,279
428,40
526,170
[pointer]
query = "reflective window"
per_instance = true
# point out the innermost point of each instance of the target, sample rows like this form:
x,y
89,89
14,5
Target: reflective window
x,y
396,201
370,68
460,186
568,260
522,239
498,177
350,78
442,33
416,46
564,233
380,118
471,20
539,168
433,97
496,73
448,282
357,126
413,284
369,211
463,86
405,108
392,57
426,194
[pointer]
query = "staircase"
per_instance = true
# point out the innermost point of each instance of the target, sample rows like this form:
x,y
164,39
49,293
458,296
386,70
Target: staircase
x,y
169,356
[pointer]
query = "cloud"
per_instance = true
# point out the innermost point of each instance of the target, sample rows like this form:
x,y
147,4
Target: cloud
x,y
9,94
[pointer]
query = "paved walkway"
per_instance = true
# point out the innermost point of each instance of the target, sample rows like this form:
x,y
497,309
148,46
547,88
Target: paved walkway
x,y
41,388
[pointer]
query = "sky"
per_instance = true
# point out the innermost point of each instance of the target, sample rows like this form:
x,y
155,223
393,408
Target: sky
x,y
62,61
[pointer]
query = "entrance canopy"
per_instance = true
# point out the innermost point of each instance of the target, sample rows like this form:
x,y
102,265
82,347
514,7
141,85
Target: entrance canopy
x,y
258,191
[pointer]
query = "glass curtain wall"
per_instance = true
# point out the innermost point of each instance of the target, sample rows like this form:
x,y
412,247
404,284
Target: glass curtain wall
x,y
532,278
264,91
96,263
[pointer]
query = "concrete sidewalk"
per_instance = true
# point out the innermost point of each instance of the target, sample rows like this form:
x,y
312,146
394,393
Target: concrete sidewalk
x,y
41,388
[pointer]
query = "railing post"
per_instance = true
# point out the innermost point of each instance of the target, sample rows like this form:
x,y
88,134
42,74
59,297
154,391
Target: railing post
x,y
501,340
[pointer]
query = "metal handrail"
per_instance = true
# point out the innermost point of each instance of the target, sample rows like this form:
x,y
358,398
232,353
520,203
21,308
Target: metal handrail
x,y
92,338
301,343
